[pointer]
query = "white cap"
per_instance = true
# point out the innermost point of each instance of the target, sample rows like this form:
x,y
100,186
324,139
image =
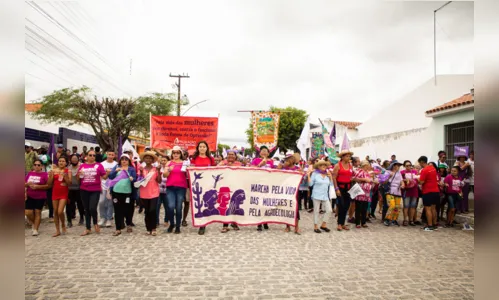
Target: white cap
x,y
124,155
27,144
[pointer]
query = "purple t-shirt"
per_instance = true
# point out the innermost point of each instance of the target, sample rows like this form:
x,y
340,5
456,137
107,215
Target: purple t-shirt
x,y
91,181
36,178
258,160
396,181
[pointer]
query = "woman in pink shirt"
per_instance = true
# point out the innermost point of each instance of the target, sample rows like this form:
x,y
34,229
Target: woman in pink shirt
x,y
176,186
453,189
149,192
263,162
90,174
410,193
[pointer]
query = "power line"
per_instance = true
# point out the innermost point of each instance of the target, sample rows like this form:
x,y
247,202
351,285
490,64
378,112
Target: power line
x,y
74,53
45,14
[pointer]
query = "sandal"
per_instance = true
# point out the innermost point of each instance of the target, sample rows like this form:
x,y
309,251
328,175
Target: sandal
x,y
184,223
339,228
325,229
86,232
234,226
153,233
225,229
345,227
358,227
298,232
129,229
56,234
365,226
97,228
148,233
287,229
117,232
404,223
317,231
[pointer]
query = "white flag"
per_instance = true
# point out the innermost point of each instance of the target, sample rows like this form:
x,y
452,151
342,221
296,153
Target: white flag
x,y
224,153
304,141
276,154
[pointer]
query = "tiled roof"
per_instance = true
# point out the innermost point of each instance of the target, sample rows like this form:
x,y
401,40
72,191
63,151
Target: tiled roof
x,y
349,125
32,107
461,101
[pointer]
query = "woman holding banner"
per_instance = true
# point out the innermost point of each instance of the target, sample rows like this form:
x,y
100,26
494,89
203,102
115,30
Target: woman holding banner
x,y
201,158
263,162
321,180
231,161
176,186
342,178
289,163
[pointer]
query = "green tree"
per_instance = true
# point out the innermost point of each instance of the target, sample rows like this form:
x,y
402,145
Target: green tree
x,y
291,123
221,148
108,118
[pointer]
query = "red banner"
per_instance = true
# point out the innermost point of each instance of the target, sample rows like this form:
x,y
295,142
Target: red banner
x,y
186,132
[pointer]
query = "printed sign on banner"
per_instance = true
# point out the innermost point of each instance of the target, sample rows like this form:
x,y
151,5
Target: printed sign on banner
x,y
265,129
246,196
186,132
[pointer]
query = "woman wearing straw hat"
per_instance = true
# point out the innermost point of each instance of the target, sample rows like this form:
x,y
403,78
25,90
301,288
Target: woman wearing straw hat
x,y
321,180
149,190
342,180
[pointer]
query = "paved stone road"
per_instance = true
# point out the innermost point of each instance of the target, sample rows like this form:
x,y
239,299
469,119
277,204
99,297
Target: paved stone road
x,y
375,263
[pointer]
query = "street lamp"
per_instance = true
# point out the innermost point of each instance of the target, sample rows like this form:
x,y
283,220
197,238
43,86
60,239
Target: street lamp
x,y
195,104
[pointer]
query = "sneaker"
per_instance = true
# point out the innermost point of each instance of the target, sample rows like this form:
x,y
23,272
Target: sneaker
x,y
434,228
102,222
387,223
108,223
418,223
428,228
265,226
177,230
170,229
35,232
201,231
395,223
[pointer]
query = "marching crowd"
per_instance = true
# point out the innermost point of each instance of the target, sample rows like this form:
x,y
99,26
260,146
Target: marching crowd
x,y
112,188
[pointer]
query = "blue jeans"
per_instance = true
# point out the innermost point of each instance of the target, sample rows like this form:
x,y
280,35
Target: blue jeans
x,y
162,200
175,197
106,208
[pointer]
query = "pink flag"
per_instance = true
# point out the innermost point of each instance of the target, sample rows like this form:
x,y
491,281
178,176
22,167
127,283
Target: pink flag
x,y
345,145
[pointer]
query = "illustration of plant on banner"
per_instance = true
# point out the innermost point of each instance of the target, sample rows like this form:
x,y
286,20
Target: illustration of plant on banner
x,y
265,129
317,143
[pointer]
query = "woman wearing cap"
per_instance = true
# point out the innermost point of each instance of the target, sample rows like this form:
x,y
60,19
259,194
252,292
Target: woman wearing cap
x,y
410,193
394,193
342,177
201,158
230,161
176,186
364,179
121,178
464,175
321,180
90,174
290,164
149,190
263,162
59,180
36,192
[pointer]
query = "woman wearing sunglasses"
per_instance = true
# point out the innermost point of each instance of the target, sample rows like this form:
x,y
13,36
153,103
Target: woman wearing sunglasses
x,y
90,174
176,187
36,194
411,193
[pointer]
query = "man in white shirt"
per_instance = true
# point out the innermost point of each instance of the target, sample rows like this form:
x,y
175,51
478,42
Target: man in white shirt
x,y
106,208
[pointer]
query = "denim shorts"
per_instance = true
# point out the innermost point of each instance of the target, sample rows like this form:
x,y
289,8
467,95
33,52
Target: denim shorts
x,y
453,200
410,202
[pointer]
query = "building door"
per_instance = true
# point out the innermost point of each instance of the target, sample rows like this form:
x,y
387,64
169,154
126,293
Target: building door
x,y
459,134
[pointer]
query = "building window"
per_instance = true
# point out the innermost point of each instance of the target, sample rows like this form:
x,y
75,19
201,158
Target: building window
x,y
459,134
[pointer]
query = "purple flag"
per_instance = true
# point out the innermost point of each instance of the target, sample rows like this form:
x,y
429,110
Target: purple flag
x,y
51,151
112,182
332,135
461,151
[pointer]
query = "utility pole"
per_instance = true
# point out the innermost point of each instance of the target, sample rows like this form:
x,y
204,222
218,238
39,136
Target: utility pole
x,y
435,39
178,89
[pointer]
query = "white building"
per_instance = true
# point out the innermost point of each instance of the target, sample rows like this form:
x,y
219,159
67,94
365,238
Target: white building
x,y
419,123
